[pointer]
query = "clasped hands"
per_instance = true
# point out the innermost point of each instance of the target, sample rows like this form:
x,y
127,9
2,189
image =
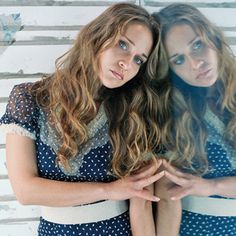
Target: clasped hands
x,y
177,184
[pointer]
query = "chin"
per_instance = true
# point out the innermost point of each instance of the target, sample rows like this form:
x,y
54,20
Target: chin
x,y
207,85
213,81
109,86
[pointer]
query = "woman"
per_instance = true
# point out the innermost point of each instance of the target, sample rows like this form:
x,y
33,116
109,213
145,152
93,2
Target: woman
x,y
203,85
76,139
199,74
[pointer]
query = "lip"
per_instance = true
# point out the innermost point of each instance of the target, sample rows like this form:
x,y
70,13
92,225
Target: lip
x,y
118,75
204,74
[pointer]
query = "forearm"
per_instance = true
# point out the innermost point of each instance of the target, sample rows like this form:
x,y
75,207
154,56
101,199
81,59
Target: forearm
x,y
168,217
40,191
141,217
29,188
168,212
189,184
225,187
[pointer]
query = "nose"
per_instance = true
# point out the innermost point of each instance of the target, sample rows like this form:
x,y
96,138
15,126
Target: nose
x,y
196,63
125,62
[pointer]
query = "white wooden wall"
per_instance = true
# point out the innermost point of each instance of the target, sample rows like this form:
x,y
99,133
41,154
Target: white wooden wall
x,y
40,31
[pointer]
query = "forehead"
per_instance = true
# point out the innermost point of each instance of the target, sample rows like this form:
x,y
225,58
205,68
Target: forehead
x,y
140,35
179,37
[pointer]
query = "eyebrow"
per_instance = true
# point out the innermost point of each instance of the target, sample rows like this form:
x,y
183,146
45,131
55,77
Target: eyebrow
x,y
190,42
176,54
143,54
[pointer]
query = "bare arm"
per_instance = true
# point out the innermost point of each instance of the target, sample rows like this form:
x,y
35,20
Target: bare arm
x,y
225,187
141,217
141,212
29,188
168,212
187,184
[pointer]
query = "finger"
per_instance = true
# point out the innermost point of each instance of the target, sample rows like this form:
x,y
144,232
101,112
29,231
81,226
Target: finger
x,y
156,163
150,165
176,179
159,163
145,194
150,180
172,169
148,170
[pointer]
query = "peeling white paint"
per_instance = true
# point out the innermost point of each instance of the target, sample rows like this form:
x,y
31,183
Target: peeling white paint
x,y
9,25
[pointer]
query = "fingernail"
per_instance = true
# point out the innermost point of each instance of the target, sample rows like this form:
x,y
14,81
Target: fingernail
x,y
156,199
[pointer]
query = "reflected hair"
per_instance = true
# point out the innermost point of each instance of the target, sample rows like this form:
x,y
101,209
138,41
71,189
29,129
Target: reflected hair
x,y
184,134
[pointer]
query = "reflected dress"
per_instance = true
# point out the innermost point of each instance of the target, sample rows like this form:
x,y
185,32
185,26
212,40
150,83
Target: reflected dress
x,y
222,163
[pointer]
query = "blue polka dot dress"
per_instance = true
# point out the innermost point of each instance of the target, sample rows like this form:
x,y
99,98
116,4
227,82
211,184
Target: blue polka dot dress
x,y
92,163
222,162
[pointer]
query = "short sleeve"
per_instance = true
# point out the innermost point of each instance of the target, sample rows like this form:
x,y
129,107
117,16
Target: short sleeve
x,y
21,112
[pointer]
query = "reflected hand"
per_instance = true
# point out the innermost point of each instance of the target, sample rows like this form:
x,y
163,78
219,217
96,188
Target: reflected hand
x,y
187,184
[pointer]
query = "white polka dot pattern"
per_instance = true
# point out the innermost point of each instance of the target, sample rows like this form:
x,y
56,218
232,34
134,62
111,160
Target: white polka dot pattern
x,y
221,164
23,112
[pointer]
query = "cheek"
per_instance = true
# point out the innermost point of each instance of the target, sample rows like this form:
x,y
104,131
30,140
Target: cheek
x,y
215,58
105,57
177,69
183,73
211,55
103,60
133,70
136,71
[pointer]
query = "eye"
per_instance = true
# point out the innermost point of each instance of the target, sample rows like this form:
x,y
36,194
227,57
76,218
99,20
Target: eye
x,y
123,45
179,60
198,45
138,60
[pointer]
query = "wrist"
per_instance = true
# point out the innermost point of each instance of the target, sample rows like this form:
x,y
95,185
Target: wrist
x,y
106,191
139,202
213,188
218,187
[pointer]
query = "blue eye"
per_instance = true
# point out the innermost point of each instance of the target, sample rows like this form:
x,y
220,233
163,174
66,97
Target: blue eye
x,y
123,45
178,60
138,60
197,45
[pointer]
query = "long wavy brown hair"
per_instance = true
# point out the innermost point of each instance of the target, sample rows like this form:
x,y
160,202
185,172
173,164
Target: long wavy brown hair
x,y
70,94
184,133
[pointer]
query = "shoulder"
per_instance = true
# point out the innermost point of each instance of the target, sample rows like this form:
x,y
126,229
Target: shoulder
x,y
21,102
21,94
22,112
21,89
